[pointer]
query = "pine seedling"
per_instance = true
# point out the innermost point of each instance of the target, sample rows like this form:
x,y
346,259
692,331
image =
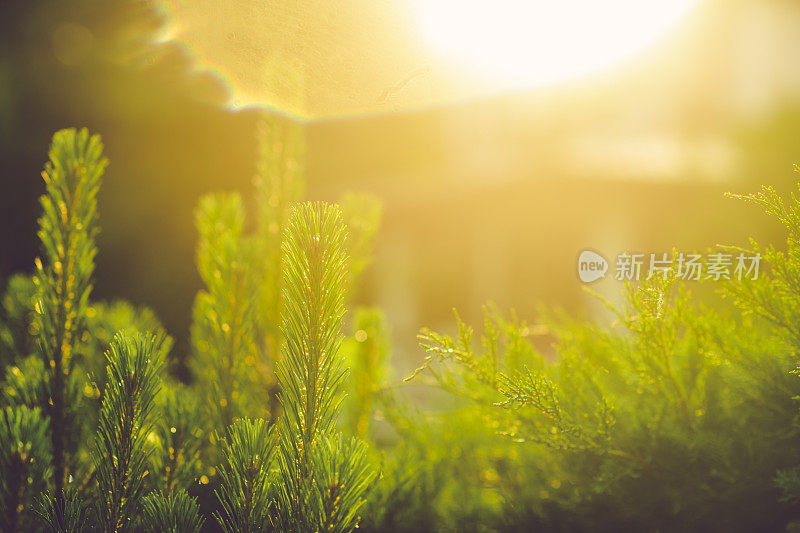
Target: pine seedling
x,y
244,489
176,513
120,454
103,321
310,372
280,182
24,463
342,476
25,383
315,280
223,328
70,515
67,230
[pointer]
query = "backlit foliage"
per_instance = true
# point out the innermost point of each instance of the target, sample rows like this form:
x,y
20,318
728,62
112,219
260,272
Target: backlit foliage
x,y
676,415
153,435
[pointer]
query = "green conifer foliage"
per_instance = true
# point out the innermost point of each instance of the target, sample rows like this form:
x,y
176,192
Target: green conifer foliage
x,y
25,464
121,456
145,442
103,321
674,417
245,478
177,439
53,393
775,297
177,513
223,330
315,280
70,515
67,230
24,383
16,319
341,479
679,416
310,375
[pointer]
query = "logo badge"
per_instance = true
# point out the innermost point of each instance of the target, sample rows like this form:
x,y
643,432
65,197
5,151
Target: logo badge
x,y
591,266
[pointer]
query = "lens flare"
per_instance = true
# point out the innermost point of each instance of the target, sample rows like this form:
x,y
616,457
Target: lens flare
x,y
526,43
319,59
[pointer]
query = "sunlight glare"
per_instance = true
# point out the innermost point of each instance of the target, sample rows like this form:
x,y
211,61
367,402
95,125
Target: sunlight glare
x,y
525,43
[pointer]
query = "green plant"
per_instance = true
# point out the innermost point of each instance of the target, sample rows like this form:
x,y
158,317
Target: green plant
x,y
70,515
25,463
150,444
310,374
67,230
223,327
679,417
245,478
121,457
176,513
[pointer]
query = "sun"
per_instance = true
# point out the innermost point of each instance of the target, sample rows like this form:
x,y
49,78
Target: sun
x,y
527,43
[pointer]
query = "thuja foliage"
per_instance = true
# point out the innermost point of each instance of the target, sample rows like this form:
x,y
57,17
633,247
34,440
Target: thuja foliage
x,y
95,433
678,417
